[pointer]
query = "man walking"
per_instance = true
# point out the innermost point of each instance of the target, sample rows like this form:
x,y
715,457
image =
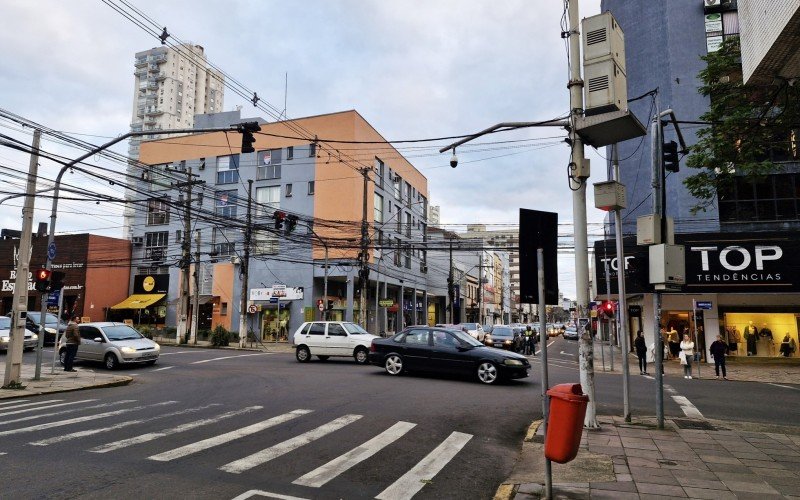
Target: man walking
x,y
72,339
641,352
718,350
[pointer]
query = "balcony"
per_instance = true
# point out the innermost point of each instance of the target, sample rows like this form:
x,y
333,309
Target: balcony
x,y
140,73
159,58
161,76
154,112
151,85
140,62
150,120
152,68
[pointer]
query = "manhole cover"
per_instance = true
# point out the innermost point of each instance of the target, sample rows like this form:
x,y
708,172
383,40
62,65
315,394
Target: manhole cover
x,y
685,423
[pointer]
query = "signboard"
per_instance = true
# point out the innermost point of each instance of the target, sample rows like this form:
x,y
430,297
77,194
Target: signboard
x,y
713,22
703,304
386,302
713,43
51,251
538,230
151,283
252,308
282,291
635,311
583,323
52,298
274,300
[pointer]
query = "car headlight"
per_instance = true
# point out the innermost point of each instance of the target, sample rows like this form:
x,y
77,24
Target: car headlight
x,y
158,347
512,362
50,330
128,350
4,339
35,337
507,341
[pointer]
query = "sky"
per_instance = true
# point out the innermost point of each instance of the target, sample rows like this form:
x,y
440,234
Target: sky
x,y
414,69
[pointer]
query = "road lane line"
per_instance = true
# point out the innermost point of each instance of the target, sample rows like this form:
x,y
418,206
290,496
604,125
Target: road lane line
x,y
35,403
28,410
226,357
413,480
227,437
688,408
566,354
120,425
162,369
318,477
262,493
179,352
76,420
264,456
12,402
150,436
63,412
784,386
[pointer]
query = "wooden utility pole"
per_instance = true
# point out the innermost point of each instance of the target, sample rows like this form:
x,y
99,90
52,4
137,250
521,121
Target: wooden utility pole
x,y
186,256
245,269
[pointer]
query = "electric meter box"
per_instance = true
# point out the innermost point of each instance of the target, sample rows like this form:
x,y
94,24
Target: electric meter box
x,y
609,195
606,87
603,39
667,265
648,230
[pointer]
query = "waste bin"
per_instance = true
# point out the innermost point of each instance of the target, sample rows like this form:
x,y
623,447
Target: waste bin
x,y
565,422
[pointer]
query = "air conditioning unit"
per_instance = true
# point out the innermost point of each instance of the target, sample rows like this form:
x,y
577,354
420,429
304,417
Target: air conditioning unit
x,y
606,87
236,260
137,241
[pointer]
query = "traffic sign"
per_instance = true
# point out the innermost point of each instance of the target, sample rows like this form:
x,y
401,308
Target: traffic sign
x,y
273,300
252,308
52,298
51,251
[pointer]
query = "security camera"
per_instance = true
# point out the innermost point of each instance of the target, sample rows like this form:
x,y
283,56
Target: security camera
x,y
454,160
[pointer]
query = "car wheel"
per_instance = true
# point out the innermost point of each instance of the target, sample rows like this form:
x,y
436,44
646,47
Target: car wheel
x,y
393,364
323,358
303,355
111,361
487,372
62,356
362,356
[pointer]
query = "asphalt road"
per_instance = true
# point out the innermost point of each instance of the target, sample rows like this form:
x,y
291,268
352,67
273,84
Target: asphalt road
x,y
318,430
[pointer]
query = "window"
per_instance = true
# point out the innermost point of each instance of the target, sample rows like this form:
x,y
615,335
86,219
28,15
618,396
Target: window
x,y
290,152
288,190
444,339
424,207
178,238
225,249
223,309
268,199
202,164
336,330
312,150
228,169
310,187
417,336
379,167
269,164
317,329
157,212
396,180
378,208
408,257
408,193
225,203
155,245
264,243
771,198
158,178
408,224
399,217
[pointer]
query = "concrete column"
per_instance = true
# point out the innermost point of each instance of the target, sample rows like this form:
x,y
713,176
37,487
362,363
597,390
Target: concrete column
x,y
425,307
348,313
400,309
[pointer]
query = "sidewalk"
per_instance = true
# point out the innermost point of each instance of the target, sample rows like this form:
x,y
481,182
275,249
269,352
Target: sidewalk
x,y
689,459
62,381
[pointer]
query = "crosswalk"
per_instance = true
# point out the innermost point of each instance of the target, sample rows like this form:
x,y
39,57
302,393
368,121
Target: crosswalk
x,y
133,423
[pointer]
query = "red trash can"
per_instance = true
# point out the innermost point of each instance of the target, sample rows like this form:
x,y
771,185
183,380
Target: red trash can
x,y
565,422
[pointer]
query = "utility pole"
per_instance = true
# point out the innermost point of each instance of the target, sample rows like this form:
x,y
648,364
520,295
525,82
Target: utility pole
x,y
657,177
480,288
363,272
450,288
196,302
325,285
245,270
186,257
577,162
20,297
622,310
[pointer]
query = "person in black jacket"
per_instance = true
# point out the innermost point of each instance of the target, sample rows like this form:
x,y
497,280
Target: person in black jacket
x,y
641,352
718,350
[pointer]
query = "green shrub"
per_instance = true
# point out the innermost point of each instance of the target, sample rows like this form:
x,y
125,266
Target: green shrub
x,y
146,331
203,334
220,336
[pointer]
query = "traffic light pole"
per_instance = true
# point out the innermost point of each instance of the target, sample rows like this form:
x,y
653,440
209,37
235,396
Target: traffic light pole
x,y
245,272
622,310
56,339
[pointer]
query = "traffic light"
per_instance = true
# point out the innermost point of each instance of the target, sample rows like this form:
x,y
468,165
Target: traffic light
x,y
279,218
291,223
608,308
56,281
670,156
42,280
247,129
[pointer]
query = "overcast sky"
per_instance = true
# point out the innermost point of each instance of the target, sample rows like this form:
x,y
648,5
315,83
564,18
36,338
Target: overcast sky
x,y
413,69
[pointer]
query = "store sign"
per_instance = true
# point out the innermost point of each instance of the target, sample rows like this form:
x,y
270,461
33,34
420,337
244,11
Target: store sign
x,y
713,22
703,304
151,283
713,43
281,292
386,302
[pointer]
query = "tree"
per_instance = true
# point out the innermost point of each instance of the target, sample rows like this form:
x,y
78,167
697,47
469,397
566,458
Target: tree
x,y
751,127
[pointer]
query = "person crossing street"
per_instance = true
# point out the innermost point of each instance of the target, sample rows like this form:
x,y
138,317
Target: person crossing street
x,y
72,339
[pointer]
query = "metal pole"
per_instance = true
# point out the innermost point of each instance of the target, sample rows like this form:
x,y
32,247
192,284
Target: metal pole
x,y
196,301
480,288
325,286
245,270
377,293
16,344
362,300
55,345
608,297
656,177
696,343
548,474
623,301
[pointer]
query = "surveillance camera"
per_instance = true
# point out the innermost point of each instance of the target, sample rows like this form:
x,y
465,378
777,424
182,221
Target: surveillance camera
x,y
454,160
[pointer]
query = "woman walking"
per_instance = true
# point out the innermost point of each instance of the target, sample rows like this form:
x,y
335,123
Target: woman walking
x,y
641,352
686,355
718,350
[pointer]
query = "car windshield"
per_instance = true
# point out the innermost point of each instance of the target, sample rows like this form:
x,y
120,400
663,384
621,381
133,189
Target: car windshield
x,y
5,323
466,338
354,329
501,332
121,332
50,318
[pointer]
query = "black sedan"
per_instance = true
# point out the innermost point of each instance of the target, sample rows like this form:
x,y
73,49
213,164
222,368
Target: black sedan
x,y
503,337
447,351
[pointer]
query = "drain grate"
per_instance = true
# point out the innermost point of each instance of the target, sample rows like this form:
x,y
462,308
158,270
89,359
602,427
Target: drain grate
x,y
685,423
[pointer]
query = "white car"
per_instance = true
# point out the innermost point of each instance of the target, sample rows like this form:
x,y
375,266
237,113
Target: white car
x,y
474,329
324,339
30,341
113,344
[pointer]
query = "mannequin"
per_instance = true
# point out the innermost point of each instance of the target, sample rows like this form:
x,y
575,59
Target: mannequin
x,y
787,345
751,336
766,335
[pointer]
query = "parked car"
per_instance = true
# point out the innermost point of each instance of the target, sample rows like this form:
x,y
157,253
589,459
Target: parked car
x,y
474,329
324,339
570,333
52,325
29,342
488,329
503,337
113,344
446,351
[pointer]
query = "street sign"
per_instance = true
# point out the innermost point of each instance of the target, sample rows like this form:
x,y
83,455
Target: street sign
x,y
273,300
386,302
704,304
583,324
252,308
52,298
51,251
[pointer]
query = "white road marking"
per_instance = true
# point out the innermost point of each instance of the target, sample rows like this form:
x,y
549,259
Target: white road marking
x,y
30,404
566,354
28,410
649,377
3,453
267,494
150,436
162,369
688,408
225,357
62,412
264,456
318,477
413,480
784,386
179,352
76,420
120,425
13,401
227,437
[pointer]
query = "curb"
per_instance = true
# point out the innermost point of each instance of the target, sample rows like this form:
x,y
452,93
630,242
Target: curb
x,y
505,492
117,383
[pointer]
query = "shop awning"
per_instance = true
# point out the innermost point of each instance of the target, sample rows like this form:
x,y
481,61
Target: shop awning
x,y
139,301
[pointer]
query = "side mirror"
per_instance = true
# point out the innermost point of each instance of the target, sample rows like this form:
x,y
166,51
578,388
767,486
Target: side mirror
x,y
99,340
463,348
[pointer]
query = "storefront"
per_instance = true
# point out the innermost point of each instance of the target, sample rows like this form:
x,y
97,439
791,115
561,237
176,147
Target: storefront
x,y
147,305
274,307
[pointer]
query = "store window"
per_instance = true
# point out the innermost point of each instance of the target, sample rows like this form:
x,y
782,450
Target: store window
x,y
761,334
276,323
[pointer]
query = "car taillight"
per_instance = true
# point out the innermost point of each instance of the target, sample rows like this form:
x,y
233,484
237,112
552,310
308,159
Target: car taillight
x,y
372,347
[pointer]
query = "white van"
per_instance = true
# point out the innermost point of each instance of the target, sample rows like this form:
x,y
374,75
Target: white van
x,y
324,339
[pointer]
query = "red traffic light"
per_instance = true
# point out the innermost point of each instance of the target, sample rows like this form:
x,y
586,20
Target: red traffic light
x,y
608,308
42,275
42,280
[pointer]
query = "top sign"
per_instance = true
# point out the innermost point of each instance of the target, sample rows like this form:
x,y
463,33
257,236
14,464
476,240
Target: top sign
x,y
278,291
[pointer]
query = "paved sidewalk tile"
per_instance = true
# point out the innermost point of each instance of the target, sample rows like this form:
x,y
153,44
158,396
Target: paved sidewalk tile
x,y
710,494
660,489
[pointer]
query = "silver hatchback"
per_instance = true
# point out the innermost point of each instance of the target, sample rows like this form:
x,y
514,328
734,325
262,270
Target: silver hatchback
x,y
113,344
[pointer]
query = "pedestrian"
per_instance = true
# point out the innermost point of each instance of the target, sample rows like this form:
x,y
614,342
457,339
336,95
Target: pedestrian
x,y
72,339
641,352
674,343
686,355
718,351
526,341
